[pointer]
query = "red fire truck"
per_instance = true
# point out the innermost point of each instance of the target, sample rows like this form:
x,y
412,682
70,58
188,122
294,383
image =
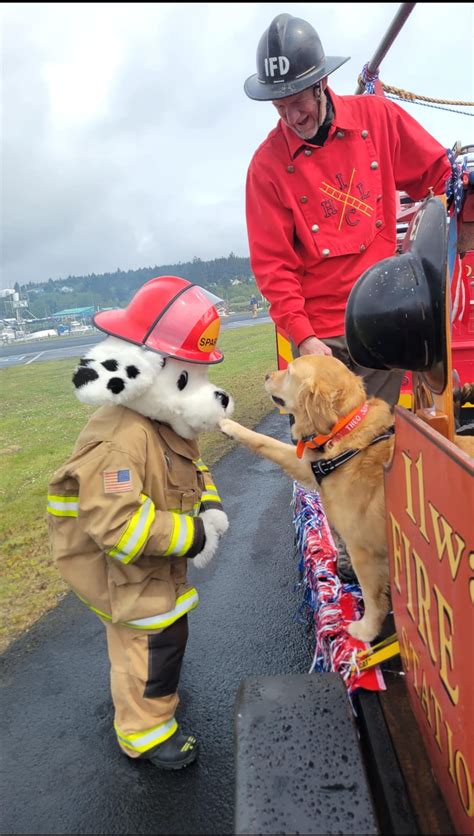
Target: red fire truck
x,y
397,759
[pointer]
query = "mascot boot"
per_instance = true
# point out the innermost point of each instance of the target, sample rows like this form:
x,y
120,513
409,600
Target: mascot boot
x,y
135,502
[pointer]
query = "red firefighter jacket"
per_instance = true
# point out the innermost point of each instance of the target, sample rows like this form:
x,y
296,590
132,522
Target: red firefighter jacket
x,y
318,217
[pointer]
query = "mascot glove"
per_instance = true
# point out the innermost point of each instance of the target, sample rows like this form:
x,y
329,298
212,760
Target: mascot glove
x,y
202,559
217,518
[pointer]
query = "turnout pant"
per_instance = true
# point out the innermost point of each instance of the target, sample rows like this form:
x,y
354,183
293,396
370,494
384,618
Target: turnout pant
x,y
144,676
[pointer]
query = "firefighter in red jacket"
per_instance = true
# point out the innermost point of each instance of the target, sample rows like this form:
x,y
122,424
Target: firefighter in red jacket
x,y
321,191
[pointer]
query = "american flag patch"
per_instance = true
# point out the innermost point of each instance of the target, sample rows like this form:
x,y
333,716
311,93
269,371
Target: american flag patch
x,y
117,481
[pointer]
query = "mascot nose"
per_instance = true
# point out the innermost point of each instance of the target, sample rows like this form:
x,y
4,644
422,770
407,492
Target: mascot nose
x,y
222,397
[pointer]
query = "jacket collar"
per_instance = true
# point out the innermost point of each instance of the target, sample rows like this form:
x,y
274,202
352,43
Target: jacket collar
x,y
188,448
343,120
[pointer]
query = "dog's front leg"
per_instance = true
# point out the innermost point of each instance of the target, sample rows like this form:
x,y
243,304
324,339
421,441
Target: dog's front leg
x,y
284,455
372,574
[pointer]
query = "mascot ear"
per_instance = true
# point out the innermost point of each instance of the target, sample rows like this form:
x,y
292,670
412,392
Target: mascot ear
x,y
115,372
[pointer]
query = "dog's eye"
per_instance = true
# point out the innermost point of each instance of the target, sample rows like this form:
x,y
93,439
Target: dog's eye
x,y
182,380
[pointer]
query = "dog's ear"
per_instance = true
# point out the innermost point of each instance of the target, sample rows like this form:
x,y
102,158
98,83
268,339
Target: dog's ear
x,y
317,401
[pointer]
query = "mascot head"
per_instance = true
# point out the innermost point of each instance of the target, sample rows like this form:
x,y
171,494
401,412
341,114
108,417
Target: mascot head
x,y
156,358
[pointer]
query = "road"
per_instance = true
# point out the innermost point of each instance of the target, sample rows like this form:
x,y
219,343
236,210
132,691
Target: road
x,y
60,348
62,771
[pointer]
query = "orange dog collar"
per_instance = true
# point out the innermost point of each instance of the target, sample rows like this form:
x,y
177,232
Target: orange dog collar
x,y
342,427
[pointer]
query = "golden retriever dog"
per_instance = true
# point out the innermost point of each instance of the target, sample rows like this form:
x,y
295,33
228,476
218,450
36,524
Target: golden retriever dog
x,y
333,414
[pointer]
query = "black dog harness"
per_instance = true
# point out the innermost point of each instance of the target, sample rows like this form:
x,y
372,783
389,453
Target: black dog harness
x,y
324,467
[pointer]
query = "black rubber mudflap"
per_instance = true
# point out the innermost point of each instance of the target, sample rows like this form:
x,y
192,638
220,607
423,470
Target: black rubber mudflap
x,y
299,764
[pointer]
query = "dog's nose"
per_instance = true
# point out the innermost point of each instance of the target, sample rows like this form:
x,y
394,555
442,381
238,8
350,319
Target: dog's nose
x,y
222,397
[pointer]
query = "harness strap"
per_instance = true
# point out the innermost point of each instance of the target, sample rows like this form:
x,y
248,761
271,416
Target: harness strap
x,y
324,467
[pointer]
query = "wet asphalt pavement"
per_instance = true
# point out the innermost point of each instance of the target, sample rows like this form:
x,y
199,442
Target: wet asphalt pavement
x,y
62,771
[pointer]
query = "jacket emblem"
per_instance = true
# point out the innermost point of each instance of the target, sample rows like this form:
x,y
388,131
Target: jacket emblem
x,y
351,203
117,481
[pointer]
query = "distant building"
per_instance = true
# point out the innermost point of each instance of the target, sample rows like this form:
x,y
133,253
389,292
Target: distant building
x,y
75,313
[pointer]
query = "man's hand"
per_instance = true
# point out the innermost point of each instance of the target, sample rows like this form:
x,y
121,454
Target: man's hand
x,y
313,346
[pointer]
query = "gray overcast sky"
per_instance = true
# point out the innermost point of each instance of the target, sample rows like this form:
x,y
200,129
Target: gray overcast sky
x,y
126,134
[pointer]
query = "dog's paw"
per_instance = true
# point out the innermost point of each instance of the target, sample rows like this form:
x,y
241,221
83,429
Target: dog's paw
x,y
227,426
362,630
204,557
217,518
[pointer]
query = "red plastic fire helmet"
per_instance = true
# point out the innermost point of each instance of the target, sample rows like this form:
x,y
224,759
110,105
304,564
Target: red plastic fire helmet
x,y
171,316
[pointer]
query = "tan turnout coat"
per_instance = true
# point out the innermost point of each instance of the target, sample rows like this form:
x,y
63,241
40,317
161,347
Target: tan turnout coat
x,y
122,518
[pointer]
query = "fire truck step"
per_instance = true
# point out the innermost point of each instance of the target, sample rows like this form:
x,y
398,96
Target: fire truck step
x,y
298,761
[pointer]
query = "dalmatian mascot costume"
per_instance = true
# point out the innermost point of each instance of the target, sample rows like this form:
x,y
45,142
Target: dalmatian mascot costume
x,y
134,501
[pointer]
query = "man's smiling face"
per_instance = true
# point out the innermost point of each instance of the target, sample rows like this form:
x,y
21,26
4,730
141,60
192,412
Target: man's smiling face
x,y
304,112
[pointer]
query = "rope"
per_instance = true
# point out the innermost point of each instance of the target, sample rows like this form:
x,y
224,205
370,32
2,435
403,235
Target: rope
x,y
368,79
405,94
436,107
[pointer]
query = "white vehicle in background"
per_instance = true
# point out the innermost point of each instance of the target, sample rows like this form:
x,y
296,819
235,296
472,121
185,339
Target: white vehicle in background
x,y
41,335
76,327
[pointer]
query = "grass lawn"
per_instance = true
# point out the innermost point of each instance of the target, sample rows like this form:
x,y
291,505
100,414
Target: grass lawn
x,y
40,419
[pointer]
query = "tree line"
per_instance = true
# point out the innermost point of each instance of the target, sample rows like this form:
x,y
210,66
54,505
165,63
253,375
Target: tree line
x,y
116,289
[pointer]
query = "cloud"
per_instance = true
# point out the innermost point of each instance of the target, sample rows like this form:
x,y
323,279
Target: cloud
x,y
127,135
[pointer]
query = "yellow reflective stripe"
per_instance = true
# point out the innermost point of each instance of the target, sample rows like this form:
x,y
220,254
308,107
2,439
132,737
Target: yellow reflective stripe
x,y
188,536
200,465
210,496
192,512
174,533
94,609
184,604
65,499
136,533
63,506
182,535
144,740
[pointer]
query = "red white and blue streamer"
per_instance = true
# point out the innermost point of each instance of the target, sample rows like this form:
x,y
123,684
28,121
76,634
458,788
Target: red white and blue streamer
x,y
330,603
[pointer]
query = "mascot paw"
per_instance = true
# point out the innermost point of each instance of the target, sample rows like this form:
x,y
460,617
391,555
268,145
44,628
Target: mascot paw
x,y
202,559
217,518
